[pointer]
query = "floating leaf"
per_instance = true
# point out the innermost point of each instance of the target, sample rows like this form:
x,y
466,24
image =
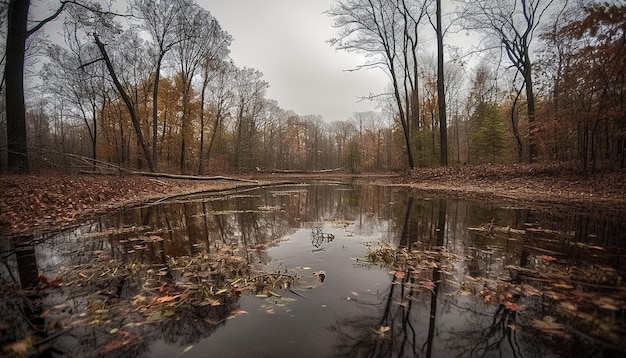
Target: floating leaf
x,y
429,285
511,306
237,313
568,306
187,349
549,325
156,315
530,290
20,347
606,303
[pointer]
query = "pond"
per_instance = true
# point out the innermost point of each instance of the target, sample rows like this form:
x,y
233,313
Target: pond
x,y
320,270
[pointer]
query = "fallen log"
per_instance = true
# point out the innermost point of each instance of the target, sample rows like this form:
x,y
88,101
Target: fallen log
x,y
191,177
300,171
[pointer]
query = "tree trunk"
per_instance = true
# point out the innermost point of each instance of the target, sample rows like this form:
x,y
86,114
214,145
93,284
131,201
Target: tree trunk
x,y
155,109
128,103
205,83
441,93
530,98
14,79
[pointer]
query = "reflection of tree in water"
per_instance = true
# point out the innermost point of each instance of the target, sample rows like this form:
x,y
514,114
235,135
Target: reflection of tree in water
x,y
127,260
194,323
108,304
400,322
396,330
487,333
117,309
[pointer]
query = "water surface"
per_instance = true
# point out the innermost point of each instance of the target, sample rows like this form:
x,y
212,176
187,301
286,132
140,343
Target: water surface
x,y
285,271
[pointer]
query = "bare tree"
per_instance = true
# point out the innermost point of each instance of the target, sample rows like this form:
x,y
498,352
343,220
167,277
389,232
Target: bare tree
x,y
441,92
222,97
127,101
201,40
250,90
512,24
17,34
83,88
387,31
213,65
159,19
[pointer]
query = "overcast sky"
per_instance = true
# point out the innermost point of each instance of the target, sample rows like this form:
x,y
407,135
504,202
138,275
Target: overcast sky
x,y
286,41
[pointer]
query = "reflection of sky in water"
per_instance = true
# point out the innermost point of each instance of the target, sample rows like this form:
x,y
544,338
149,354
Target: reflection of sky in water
x,y
356,311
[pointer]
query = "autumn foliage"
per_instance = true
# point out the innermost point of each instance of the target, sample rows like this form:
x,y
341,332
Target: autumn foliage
x,y
585,118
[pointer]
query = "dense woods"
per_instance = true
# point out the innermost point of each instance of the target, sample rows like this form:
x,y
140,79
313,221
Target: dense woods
x,y
153,88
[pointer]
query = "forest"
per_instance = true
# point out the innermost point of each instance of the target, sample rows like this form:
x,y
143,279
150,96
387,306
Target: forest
x,y
151,87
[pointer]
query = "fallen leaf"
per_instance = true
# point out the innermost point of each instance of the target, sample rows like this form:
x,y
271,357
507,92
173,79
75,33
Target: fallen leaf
x,y
562,285
20,347
163,299
549,325
187,349
607,303
57,282
154,238
568,306
429,285
547,258
223,290
237,313
530,290
511,306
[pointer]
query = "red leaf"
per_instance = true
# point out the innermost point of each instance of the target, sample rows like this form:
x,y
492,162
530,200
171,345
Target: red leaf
x,y
399,274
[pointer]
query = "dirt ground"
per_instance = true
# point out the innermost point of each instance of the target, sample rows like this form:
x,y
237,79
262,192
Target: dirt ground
x,y
38,203
538,186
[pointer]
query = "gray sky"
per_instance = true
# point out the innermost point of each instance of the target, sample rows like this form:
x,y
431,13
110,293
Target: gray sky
x,y
286,41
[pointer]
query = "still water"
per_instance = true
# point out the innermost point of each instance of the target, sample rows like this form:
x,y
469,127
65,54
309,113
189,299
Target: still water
x,y
313,271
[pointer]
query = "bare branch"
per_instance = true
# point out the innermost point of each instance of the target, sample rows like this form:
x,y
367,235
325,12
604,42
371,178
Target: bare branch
x,y
58,12
90,63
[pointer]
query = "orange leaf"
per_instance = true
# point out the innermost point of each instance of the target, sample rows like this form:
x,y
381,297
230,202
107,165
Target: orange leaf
x,y
163,299
57,282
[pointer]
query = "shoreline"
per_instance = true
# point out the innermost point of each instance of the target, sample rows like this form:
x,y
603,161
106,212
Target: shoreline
x,y
36,203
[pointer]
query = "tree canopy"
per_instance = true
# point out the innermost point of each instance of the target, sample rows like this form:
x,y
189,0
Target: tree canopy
x,y
156,89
